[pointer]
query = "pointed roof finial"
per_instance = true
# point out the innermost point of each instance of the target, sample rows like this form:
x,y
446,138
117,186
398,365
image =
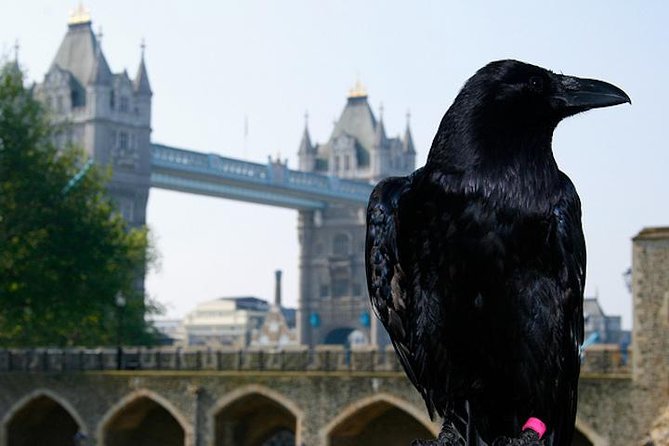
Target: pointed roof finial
x,y
358,90
408,117
142,46
79,16
381,111
16,50
306,118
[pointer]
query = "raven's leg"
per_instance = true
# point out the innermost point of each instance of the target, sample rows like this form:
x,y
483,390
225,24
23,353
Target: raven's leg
x,y
449,436
526,438
530,436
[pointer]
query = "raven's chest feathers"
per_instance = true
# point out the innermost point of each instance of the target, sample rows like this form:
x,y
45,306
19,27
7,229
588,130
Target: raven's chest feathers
x,y
491,246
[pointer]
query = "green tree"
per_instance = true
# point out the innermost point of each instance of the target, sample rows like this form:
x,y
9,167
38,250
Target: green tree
x,y
65,252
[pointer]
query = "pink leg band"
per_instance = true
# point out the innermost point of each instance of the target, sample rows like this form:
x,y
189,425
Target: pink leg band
x,y
536,425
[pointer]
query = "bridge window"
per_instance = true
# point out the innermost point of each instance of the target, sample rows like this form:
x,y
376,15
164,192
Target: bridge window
x,y
340,282
144,422
378,424
122,140
339,287
336,164
324,291
42,421
124,104
255,420
340,245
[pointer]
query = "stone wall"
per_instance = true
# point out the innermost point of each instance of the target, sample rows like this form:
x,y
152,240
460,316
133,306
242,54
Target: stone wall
x,y
650,336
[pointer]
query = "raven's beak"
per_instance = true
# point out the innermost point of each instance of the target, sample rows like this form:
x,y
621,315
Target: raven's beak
x,y
575,95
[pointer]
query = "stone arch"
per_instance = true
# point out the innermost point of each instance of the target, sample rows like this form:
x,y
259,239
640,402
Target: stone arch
x,y
62,420
585,434
143,403
365,419
346,336
234,406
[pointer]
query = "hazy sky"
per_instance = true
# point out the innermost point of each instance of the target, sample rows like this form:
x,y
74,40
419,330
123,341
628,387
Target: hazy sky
x,y
212,63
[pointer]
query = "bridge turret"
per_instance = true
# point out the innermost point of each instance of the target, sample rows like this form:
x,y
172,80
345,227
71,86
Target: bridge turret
x,y
142,91
408,149
307,152
380,156
334,307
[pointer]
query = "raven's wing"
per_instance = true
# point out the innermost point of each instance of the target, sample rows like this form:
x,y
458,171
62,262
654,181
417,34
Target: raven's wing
x,y
385,278
407,303
571,243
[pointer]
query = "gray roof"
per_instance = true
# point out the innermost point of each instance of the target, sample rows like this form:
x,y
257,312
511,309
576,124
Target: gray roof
x,y
591,307
358,121
80,54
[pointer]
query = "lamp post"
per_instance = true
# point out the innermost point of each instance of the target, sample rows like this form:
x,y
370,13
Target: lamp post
x,y
120,306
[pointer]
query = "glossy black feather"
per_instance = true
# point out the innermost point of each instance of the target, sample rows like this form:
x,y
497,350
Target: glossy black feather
x,y
476,262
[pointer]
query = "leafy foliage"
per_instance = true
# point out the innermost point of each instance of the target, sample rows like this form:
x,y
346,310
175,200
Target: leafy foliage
x,y
64,253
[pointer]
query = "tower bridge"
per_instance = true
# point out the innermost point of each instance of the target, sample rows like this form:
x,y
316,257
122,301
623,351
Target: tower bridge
x,y
109,115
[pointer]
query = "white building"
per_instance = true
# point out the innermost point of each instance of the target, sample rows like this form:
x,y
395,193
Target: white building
x,y
225,321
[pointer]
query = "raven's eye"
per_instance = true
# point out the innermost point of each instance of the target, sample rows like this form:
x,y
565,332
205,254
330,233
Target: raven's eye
x,y
537,83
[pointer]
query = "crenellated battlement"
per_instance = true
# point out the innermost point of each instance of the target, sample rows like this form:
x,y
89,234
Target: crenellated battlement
x,y
322,358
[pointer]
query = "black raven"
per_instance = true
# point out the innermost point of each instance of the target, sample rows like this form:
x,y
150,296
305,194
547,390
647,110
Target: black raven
x,y
476,261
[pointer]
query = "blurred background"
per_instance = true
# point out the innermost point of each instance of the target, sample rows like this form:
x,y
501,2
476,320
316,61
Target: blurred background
x,y
246,136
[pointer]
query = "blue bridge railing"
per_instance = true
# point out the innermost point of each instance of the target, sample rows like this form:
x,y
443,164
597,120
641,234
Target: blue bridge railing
x,y
272,183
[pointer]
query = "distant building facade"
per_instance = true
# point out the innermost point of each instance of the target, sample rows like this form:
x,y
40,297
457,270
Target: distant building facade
x,y
278,329
608,329
334,304
225,321
170,331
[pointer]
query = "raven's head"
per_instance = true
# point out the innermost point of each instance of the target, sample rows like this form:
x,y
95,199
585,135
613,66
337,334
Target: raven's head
x,y
509,102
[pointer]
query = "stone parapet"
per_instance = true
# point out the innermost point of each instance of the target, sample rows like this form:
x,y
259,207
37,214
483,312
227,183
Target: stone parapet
x,y
598,359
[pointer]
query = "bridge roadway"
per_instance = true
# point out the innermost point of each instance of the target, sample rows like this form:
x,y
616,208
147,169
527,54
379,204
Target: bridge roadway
x,y
198,397
272,183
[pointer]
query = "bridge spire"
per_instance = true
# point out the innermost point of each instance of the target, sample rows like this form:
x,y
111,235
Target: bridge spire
x,y
305,144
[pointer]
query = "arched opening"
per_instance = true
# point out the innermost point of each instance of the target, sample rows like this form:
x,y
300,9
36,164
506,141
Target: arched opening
x,y
380,423
255,420
143,422
346,336
42,420
580,439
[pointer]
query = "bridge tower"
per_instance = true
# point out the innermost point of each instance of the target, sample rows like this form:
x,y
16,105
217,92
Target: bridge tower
x,y
107,114
334,305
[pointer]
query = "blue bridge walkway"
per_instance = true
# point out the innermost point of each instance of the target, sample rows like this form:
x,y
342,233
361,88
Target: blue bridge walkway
x,y
272,183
